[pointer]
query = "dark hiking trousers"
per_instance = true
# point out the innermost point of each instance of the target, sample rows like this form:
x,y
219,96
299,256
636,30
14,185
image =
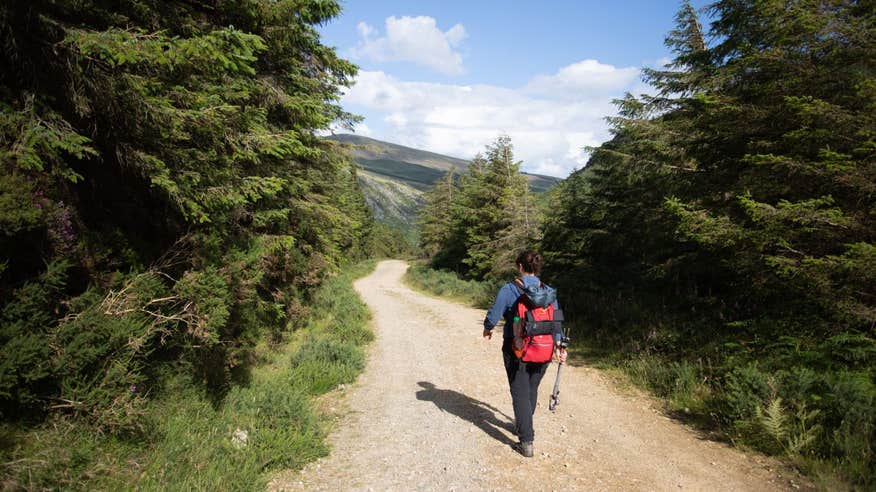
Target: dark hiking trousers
x,y
523,377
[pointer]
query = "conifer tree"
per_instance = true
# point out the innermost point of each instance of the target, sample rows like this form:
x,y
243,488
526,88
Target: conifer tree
x,y
435,218
492,217
684,74
518,216
467,214
730,218
162,181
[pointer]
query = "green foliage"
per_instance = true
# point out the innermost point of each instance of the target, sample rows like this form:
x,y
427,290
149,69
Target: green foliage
x,y
448,284
25,322
679,382
391,240
332,352
192,442
730,221
747,389
793,434
478,226
436,217
18,213
197,449
324,363
172,163
166,207
40,141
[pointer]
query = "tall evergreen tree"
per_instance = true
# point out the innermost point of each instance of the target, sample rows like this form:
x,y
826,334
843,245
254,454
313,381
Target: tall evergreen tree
x,y
162,181
435,218
492,217
730,219
518,216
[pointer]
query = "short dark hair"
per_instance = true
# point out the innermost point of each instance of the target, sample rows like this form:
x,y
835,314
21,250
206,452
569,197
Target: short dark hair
x,y
531,261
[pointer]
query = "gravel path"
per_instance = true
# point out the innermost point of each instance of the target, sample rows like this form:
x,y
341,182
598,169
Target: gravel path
x,y
432,411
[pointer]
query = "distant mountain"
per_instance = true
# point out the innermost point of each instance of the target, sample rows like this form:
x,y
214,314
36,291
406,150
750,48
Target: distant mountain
x,y
394,177
392,200
418,168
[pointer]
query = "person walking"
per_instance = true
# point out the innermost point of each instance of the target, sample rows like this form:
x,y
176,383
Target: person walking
x,y
523,377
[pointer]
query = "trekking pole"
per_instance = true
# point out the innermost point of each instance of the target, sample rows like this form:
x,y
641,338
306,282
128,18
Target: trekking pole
x,y
555,396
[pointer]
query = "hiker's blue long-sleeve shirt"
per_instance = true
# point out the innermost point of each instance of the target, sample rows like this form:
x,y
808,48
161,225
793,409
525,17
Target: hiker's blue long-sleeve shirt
x,y
505,300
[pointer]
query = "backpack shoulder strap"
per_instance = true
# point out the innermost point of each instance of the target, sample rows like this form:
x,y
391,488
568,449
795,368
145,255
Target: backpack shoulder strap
x,y
521,305
518,284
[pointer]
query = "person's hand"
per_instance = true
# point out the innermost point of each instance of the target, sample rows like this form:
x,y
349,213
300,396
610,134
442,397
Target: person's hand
x,y
488,334
561,355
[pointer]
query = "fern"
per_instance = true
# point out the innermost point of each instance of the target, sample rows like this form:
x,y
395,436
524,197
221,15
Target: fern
x,y
773,421
792,434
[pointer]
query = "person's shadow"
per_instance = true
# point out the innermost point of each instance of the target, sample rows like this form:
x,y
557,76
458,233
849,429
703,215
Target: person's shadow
x,y
483,415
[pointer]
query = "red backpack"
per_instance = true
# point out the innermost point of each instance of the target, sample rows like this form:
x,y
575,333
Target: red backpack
x,y
535,322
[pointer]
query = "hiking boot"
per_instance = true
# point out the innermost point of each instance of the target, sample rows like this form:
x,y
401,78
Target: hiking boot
x,y
525,448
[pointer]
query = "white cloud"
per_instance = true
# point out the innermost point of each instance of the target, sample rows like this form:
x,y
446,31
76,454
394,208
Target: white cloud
x,y
550,120
549,167
362,129
456,34
413,39
587,76
365,30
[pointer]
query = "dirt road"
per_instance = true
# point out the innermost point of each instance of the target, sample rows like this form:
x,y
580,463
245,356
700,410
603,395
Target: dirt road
x,y
433,412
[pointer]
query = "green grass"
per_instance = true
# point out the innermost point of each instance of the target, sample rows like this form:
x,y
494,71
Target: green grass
x,y
415,175
448,284
188,442
776,412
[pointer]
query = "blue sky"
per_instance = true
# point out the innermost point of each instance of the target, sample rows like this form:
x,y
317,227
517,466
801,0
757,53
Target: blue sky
x,y
450,76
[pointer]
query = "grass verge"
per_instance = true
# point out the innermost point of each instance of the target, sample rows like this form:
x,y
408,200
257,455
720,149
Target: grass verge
x,y
195,443
448,284
743,403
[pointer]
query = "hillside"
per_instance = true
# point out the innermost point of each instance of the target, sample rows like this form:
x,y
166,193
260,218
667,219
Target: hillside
x,y
417,168
393,201
394,177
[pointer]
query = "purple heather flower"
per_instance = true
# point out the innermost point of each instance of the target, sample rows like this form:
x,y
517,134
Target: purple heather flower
x,y
61,229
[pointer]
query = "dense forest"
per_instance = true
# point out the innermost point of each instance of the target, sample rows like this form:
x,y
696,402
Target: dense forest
x,y
166,204
722,245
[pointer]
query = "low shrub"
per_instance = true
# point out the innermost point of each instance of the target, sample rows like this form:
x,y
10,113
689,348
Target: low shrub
x,y
823,420
681,383
182,436
449,284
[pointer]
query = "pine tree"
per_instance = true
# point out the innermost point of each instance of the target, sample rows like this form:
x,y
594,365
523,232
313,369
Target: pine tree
x,y
685,74
168,167
435,218
517,228
492,216
730,218
466,217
